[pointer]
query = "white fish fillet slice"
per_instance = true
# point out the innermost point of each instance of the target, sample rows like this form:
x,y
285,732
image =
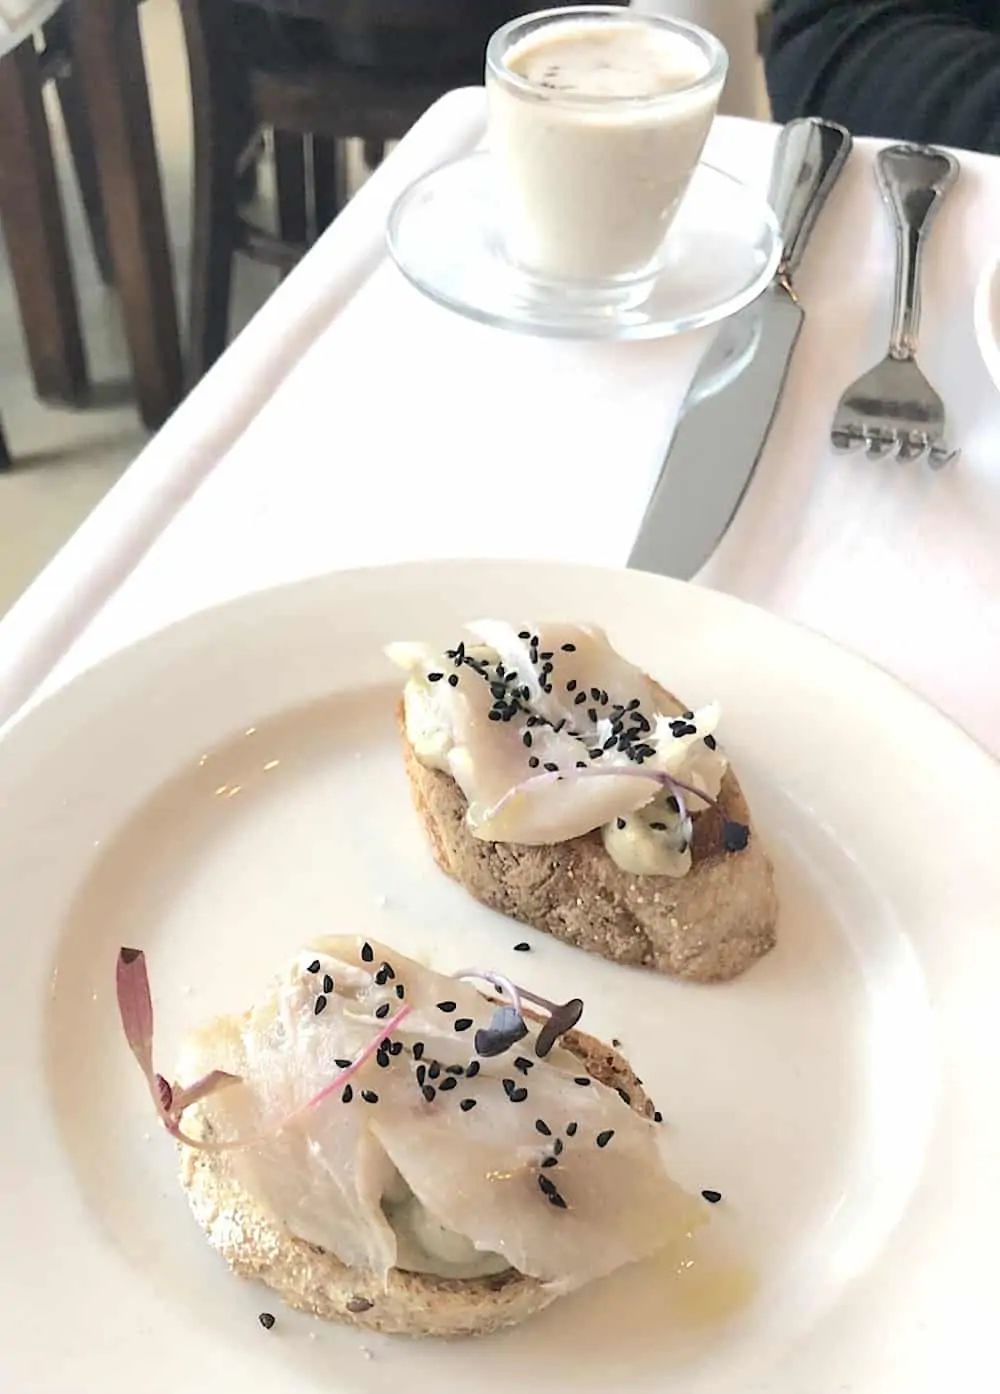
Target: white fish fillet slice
x,y
475,1171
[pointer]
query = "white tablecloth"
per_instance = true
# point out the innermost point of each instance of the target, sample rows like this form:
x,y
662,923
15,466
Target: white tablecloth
x,y
356,423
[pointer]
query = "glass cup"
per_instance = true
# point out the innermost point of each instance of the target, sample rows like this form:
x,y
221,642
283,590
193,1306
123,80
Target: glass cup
x,y
597,119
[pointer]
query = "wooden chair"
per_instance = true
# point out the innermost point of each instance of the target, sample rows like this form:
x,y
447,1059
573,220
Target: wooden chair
x,y
316,72
91,50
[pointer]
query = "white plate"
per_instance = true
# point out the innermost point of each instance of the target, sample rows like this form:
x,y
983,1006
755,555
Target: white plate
x,y
226,789
445,234
986,318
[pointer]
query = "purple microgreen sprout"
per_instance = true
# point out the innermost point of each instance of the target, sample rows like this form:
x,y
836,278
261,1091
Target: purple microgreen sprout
x,y
507,1026
135,1008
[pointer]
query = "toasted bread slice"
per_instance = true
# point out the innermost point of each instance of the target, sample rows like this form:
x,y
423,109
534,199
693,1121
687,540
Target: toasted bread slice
x,y
708,926
256,1244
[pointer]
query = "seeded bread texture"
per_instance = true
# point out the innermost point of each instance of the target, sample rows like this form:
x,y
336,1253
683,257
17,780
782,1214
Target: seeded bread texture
x,y
707,926
256,1244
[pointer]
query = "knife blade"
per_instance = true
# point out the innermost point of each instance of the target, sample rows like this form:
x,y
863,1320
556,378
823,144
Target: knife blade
x,y
720,434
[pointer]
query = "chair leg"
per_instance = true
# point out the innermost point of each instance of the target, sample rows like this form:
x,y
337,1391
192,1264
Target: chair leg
x,y
290,178
81,146
32,217
217,147
374,153
106,51
329,179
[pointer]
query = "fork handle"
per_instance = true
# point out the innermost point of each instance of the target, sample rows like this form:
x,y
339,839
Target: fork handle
x,y
913,181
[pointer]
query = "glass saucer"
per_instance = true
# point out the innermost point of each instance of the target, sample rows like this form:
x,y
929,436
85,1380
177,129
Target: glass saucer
x,y
445,235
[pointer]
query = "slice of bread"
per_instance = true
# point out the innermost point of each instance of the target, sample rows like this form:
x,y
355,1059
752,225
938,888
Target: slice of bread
x,y
256,1244
708,926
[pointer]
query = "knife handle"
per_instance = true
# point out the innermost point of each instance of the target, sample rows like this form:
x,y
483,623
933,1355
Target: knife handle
x,y
808,159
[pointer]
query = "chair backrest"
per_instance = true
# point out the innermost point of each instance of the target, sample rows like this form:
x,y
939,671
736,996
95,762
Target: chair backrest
x,y
428,37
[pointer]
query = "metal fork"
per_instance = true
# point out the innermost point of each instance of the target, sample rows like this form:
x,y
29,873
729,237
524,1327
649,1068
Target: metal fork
x,y
893,408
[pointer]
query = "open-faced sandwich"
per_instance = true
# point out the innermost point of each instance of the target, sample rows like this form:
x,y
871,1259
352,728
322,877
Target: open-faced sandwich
x,y
561,785
408,1151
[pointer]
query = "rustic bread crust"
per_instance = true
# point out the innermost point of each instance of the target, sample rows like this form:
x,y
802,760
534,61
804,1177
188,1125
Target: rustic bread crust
x,y
256,1244
707,926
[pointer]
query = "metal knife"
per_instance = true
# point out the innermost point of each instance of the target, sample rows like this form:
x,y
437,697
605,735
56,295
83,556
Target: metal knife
x,y
721,430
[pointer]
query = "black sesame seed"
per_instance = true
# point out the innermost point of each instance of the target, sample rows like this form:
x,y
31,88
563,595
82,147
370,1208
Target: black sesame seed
x,y
658,827
434,677
327,983
466,1104
616,1042
523,1064
592,713
498,690
595,754
367,953
604,698
383,1010
571,1129
319,1005
472,1069
534,762
381,978
421,1075
550,1162
557,1147
657,1116
711,742
524,634
522,948
454,1070
400,991
610,743
713,1197
435,1070
347,1095
463,1023
452,679
447,1084
620,824
572,685
388,970
429,1093
542,1127
396,1048
509,1085
382,1058
518,1096
557,1200
604,1138
625,1097
579,699
581,764
634,705
494,715
313,968
546,1186
582,1079
545,655
568,648
266,1320
446,1006
526,739
369,1096
343,1064
418,1050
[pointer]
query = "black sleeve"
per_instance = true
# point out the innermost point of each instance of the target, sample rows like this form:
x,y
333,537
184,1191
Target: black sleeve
x,y
924,70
